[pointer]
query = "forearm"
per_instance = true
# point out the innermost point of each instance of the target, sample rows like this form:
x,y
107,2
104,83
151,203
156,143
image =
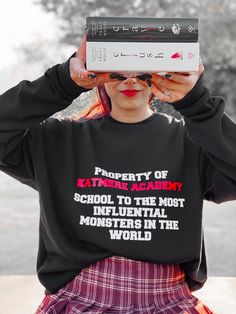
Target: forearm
x,y
30,102
209,127
207,123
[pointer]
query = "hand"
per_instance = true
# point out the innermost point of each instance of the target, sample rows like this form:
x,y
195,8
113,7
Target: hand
x,y
80,75
176,87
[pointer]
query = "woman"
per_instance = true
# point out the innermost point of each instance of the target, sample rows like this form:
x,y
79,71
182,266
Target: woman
x,y
121,187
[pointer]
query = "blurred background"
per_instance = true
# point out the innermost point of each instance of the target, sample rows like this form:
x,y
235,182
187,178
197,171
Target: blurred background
x,y
37,34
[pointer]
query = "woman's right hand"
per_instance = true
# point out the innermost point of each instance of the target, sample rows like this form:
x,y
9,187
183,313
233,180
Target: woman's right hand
x,y
80,75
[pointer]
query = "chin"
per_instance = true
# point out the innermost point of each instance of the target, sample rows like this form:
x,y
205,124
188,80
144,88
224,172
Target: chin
x,y
133,105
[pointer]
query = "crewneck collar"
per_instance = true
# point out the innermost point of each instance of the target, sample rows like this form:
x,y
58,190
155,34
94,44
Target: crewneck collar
x,y
145,121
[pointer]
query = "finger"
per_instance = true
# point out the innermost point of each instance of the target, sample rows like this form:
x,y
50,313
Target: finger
x,y
181,77
104,77
201,68
186,73
167,83
178,83
100,78
156,90
79,68
81,52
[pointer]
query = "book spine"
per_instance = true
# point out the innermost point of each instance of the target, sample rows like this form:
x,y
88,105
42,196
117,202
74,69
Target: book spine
x,y
116,29
151,57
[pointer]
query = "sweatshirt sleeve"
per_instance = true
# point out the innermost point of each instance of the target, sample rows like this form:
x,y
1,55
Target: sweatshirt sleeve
x,y
23,108
212,129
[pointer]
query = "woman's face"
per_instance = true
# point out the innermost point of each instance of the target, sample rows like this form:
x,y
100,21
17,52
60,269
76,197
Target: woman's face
x,y
129,94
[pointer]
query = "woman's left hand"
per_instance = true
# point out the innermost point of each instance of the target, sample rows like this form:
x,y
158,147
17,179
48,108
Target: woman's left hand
x,y
176,87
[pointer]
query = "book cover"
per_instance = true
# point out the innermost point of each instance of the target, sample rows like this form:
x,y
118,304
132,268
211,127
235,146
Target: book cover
x,y
142,57
135,29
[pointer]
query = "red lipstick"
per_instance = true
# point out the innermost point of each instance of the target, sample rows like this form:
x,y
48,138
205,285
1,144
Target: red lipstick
x,y
130,92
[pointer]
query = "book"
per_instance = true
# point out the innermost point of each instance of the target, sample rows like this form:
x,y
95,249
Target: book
x,y
142,44
136,29
142,57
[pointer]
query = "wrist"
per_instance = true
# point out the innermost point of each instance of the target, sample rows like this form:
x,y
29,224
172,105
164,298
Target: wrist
x,y
191,97
72,88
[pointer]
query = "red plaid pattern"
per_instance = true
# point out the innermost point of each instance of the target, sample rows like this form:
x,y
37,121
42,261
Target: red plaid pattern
x,y
121,285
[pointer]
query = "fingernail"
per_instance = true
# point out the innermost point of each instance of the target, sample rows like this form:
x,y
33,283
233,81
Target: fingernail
x,y
147,76
141,77
121,78
115,75
149,83
92,75
168,76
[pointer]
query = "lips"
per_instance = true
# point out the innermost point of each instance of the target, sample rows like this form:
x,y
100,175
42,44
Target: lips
x,y
130,92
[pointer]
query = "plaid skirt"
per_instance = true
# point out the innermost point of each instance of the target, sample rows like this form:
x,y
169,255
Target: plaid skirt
x,y
121,285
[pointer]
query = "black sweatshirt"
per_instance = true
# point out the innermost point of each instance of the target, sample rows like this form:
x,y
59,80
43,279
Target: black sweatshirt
x,y
115,188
